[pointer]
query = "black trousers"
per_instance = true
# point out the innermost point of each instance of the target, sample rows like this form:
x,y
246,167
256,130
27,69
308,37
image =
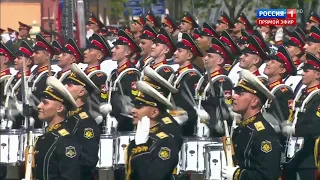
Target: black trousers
x,y
305,174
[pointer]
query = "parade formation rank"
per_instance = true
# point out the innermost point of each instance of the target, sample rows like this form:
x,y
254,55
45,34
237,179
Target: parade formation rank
x,y
273,17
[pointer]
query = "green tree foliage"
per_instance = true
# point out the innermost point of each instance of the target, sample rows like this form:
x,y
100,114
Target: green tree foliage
x,y
117,7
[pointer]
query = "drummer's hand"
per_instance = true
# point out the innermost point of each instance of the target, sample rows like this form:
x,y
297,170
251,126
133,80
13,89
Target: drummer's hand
x,y
2,112
228,171
105,109
287,128
142,133
219,127
203,114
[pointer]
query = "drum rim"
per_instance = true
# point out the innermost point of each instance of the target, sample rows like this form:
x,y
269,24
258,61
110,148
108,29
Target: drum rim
x,y
107,135
125,133
198,138
38,130
13,131
210,146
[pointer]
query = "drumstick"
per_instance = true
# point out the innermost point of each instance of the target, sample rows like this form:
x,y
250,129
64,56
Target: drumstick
x,y
228,148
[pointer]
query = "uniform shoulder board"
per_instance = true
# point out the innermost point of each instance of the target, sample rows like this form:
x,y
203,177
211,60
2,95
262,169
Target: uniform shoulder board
x,y
259,126
130,72
99,74
222,80
63,132
192,73
83,115
283,89
162,135
166,120
166,70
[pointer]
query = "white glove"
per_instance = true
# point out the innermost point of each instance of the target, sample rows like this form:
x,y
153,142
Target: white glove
x,y
31,121
181,119
19,107
3,124
9,124
105,109
142,133
287,128
228,171
111,123
127,104
203,114
279,35
97,116
2,112
219,127
13,113
89,33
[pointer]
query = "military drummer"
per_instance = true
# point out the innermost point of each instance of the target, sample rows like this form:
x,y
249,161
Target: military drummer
x,y
151,155
256,144
57,151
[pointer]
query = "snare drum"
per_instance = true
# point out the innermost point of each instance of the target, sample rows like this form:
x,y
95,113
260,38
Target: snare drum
x,y
12,146
192,155
122,141
106,152
215,159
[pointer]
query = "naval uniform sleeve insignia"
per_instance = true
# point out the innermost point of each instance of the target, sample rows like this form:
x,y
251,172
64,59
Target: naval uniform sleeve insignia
x,y
164,153
259,126
88,133
266,146
63,132
71,152
83,115
166,120
162,135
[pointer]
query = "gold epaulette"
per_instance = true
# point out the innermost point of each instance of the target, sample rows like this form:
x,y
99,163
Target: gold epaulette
x,y
83,115
259,126
63,132
162,135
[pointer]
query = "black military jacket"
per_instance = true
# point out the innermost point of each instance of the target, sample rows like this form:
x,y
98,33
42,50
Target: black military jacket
x,y
2,85
85,128
307,126
99,80
57,155
220,99
156,159
284,97
39,88
163,72
257,150
190,79
129,89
